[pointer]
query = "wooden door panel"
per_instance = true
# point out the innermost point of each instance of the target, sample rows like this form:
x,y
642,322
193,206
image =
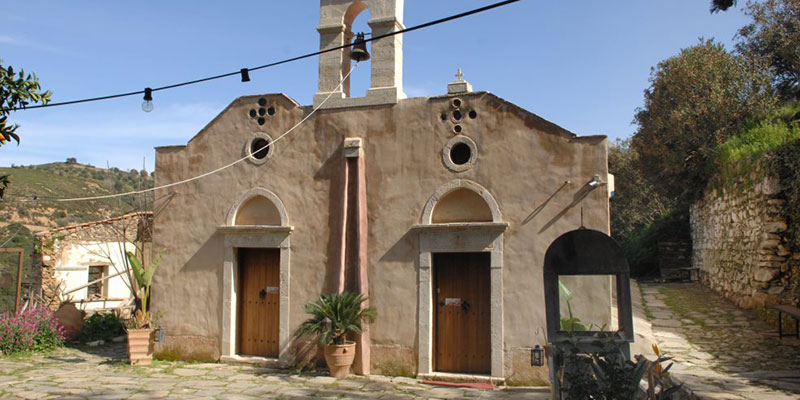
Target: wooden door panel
x,y
462,317
259,300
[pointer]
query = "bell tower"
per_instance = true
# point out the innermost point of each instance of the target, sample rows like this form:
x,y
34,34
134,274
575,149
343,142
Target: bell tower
x,y
386,62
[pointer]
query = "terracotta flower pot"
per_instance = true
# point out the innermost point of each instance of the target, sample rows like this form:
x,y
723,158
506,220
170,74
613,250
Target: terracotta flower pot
x,y
71,319
339,358
140,346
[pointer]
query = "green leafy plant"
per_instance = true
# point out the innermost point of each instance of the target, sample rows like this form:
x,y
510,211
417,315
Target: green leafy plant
x,y
102,326
334,316
17,90
33,329
607,374
570,323
142,318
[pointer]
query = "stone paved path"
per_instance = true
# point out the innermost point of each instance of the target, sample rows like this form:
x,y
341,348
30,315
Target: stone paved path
x,y
100,373
721,351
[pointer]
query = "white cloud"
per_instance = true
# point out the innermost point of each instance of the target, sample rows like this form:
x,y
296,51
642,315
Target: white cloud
x,y
23,42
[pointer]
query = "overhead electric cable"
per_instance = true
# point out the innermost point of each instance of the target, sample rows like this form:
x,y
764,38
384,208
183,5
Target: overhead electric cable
x,y
288,60
214,171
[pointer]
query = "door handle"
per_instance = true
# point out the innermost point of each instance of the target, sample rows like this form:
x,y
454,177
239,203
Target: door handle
x,y
262,293
465,305
441,304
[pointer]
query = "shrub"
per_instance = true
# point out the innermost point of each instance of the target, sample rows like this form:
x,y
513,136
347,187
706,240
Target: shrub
x,y
102,326
758,140
607,374
30,330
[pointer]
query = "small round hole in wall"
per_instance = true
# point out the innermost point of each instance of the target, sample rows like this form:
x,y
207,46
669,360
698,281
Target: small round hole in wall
x,y
456,103
457,115
261,121
473,114
262,111
262,102
457,129
252,113
271,111
460,153
443,117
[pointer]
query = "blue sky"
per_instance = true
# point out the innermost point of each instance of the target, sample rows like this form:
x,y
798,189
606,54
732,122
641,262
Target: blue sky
x,y
580,64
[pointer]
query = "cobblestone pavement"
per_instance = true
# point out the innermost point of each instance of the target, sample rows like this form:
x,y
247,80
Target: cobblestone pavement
x,y
101,373
720,350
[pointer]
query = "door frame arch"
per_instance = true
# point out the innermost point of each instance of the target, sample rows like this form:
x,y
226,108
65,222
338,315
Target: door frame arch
x,y
459,237
253,236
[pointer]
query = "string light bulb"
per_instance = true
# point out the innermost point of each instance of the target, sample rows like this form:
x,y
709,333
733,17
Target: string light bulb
x,y
147,104
245,75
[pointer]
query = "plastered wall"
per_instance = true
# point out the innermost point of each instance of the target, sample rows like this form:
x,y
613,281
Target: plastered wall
x,y
522,160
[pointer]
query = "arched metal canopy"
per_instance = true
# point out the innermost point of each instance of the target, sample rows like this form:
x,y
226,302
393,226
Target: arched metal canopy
x,y
586,252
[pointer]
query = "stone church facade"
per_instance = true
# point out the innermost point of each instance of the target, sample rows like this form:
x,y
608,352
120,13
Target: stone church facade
x,y
440,209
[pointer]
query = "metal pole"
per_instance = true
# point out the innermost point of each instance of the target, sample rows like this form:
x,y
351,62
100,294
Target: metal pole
x,y
19,275
19,283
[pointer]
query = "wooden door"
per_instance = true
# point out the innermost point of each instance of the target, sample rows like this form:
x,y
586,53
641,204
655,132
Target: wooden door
x,y
259,300
462,316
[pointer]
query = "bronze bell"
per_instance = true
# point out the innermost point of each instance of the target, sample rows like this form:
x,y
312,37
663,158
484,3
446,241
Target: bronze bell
x,y
359,52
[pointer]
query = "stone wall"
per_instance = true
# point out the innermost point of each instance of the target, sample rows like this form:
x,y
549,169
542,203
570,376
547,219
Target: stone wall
x,y
740,240
50,246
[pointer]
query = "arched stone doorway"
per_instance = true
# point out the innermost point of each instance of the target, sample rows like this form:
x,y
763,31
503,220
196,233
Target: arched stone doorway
x,y
257,253
461,255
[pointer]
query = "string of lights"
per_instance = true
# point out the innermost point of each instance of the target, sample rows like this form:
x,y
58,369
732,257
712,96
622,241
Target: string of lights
x,y
214,171
245,77
244,73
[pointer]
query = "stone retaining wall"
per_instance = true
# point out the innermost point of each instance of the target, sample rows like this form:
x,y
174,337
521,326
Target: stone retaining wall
x,y
740,240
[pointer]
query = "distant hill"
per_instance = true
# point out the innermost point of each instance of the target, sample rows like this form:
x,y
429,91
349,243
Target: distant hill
x,y
29,205
31,193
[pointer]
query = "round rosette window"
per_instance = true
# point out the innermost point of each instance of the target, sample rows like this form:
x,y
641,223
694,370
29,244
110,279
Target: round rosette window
x,y
460,153
259,149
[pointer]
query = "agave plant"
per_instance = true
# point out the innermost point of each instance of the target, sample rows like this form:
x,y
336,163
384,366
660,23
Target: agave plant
x,y
333,316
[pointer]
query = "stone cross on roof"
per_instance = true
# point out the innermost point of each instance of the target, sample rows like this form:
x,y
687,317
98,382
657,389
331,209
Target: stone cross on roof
x,y
459,85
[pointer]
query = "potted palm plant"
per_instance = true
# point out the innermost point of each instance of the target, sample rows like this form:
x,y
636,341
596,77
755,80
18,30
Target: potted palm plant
x,y
140,327
333,317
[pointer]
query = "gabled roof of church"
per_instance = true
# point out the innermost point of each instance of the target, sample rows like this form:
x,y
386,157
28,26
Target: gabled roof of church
x,y
532,120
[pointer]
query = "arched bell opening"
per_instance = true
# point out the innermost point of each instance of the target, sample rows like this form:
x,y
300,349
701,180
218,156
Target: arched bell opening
x,y
355,22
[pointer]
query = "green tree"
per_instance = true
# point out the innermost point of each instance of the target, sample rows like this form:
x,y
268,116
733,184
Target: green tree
x,y
696,100
17,90
636,204
773,35
721,5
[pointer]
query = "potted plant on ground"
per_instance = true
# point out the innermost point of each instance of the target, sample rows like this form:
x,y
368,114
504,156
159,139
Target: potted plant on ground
x,y
140,327
333,317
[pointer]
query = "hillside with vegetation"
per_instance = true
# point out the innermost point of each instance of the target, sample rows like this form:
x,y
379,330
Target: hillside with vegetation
x,y
30,204
33,192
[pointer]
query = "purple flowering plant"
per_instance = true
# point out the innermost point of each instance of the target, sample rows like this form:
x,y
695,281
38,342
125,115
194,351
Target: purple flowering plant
x,y
34,329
